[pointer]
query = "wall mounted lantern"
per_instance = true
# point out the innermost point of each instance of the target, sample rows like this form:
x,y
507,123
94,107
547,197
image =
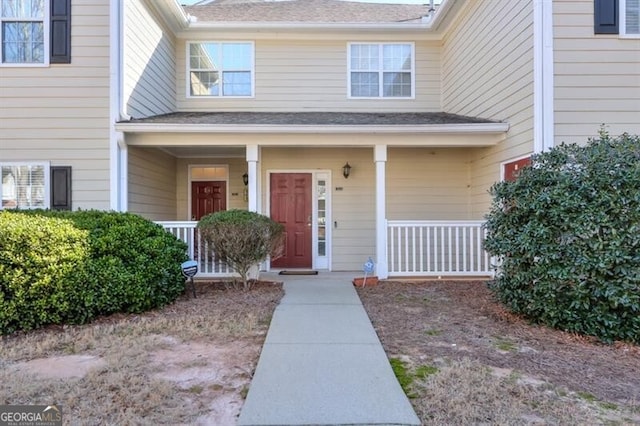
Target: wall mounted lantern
x,y
245,179
346,170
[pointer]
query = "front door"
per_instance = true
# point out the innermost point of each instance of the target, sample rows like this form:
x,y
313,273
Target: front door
x,y
291,206
207,197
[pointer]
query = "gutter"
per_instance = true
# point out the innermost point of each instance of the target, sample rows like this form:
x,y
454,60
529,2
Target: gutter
x,y
543,76
472,128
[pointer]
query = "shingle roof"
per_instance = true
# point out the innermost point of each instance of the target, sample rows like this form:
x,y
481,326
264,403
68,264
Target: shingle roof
x,y
311,118
318,11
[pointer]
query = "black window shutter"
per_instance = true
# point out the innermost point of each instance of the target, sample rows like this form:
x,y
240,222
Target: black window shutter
x,y
60,32
61,188
606,17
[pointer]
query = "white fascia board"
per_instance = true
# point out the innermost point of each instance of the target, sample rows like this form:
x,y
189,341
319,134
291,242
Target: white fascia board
x,y
173,13
441,12
479,128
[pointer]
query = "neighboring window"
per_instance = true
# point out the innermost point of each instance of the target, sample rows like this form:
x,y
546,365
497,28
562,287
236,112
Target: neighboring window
x,y
23,31
631,17
381,70
220,69
617,17
24,186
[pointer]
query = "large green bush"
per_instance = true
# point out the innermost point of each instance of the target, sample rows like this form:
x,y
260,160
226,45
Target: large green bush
x,y
567,234
131,264
41,270
242,238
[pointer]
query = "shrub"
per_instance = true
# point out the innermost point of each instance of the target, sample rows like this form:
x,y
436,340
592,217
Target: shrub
x,y
567,232
242,238
133,265
41,270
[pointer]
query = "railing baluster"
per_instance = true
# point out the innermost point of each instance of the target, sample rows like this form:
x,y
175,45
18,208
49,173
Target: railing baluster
x,y
428,249
437,248
196,249
464,248
406,248
421,249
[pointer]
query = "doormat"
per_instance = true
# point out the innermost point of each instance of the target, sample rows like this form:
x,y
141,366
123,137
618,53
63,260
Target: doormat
x,y
294,272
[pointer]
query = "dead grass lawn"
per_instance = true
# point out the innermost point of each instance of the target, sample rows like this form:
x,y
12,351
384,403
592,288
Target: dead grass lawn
x,y
472,362
189,363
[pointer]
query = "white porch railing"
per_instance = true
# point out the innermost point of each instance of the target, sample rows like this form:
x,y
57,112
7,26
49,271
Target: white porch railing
x,y
422,248
198,250
415,248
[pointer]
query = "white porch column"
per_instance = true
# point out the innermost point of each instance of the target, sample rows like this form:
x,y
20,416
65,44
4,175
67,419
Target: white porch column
x,y
123,178
380,158
252,171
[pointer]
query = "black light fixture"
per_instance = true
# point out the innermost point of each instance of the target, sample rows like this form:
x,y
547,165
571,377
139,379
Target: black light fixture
x,y
245,179
346,170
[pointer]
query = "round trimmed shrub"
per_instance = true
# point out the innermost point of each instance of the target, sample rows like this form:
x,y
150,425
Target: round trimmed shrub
x,y
41,270
242,238
567,234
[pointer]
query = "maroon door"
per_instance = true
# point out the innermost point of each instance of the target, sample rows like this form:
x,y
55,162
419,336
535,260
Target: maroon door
x,y
291,206
207,197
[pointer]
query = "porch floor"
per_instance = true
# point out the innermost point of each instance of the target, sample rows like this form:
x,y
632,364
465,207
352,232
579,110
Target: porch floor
x,y
322,361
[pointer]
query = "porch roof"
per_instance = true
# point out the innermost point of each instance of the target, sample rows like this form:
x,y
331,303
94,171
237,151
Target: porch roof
x,y
311,122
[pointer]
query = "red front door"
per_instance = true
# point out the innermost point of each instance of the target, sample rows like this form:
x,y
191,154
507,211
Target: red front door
x,y
207,197
291,206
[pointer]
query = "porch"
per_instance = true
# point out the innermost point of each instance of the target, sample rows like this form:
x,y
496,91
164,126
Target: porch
x,y
414,249
417,182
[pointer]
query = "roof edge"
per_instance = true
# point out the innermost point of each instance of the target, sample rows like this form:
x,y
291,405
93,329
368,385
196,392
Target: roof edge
x,y
296,26
462,128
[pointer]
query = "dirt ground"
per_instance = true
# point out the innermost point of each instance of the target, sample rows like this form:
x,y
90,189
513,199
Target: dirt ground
x,y
430,321
191,362
188,363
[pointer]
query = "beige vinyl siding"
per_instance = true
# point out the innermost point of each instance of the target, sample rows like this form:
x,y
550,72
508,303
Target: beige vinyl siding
x,y
149,62
235,187
352,199
428,184
297,75
487,69
596,77
60,113
152,180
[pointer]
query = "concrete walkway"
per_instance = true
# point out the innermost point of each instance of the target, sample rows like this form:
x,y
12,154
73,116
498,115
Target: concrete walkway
x,y
322,362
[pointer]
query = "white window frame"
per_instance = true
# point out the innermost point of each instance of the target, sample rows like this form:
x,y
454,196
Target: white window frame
x,y
381,71
46,19
220,95
623,21
47,182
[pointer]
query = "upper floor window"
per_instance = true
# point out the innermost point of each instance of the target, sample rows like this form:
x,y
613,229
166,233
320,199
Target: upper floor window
x,y
23,31
381,70
24,186
617,17
35,32
220,69
630,18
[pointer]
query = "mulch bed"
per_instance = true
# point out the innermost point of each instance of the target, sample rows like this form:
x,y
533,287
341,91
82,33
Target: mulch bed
x,y
460,319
